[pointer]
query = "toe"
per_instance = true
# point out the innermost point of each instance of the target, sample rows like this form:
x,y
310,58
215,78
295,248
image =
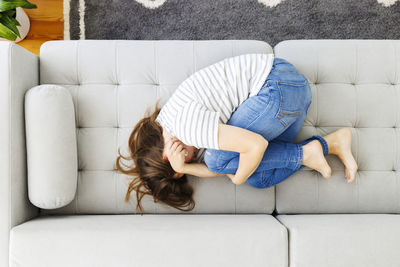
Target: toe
x,y
352,178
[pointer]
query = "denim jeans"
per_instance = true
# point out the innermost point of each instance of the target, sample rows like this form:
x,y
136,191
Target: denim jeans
x,y
277,112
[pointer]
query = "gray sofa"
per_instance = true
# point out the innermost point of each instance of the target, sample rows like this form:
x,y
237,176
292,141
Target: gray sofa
x,y
305,221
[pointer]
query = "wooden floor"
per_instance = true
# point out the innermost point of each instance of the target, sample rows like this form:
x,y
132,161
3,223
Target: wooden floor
x,y
47,23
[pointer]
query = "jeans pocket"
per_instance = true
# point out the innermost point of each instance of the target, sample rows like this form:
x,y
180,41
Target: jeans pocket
x,y
295,80
287,117
294,96
285,71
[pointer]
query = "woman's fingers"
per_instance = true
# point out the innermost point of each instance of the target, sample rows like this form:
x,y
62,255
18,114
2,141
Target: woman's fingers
x,y
178,149
175,147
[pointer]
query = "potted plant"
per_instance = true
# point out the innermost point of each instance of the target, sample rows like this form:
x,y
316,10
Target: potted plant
x,y
14,22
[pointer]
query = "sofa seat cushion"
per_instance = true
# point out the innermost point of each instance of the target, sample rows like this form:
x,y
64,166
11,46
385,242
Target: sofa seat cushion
x,y
356,240
150,240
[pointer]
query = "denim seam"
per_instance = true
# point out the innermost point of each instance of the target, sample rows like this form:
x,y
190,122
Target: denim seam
x,y
323,143
280,62
327,147
281,99
291,113
299,158
280,96
282,121
281,112
266,182
278,114
263,178
261,113
286,71
293,83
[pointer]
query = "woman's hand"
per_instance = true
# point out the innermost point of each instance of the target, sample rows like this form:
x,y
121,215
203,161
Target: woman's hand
x,y
176,155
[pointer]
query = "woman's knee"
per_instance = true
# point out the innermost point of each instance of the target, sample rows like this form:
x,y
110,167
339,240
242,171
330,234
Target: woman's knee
x,y
211,159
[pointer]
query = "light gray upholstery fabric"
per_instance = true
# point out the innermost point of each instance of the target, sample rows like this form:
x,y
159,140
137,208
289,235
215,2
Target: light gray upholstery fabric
x,y
355,84
150,240
353,240
112,83
19,71
51,146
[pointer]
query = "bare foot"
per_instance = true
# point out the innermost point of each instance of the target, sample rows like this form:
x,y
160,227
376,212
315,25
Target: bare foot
x,y
313,157
339,143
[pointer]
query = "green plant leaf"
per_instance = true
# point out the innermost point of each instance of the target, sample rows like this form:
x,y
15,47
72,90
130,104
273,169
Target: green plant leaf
x,y
10,12
11,4
15,21
7,33
9,23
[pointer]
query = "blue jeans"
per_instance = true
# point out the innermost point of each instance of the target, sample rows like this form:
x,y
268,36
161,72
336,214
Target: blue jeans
x,y
277,112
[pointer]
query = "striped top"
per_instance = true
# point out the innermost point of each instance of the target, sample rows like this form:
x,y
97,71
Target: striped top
x,y
209,97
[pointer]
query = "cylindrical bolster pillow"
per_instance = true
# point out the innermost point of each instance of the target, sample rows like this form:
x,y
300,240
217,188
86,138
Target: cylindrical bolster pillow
x,y
52,158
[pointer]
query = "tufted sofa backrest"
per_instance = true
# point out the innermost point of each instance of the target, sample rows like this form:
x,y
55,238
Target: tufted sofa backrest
x,y
355,84
113,82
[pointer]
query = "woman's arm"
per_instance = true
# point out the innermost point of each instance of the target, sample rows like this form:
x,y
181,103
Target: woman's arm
x,y
251,147
199,169
248,163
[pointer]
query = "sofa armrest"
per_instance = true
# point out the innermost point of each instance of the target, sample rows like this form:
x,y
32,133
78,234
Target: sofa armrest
x,y
19,71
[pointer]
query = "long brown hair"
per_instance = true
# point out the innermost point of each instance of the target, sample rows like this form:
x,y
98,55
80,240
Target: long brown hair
x,y
146,145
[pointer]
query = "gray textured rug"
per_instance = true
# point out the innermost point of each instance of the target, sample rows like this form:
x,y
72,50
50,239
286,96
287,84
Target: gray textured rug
x,y
267,20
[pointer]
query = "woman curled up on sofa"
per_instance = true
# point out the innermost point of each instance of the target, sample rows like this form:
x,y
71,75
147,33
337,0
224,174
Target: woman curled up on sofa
x,y
237,117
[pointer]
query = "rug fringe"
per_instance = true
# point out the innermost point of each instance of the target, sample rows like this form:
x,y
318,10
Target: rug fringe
x,y
82,19
66,9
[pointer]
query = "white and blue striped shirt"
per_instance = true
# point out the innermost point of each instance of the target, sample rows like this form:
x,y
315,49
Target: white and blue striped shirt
x,y
210,96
